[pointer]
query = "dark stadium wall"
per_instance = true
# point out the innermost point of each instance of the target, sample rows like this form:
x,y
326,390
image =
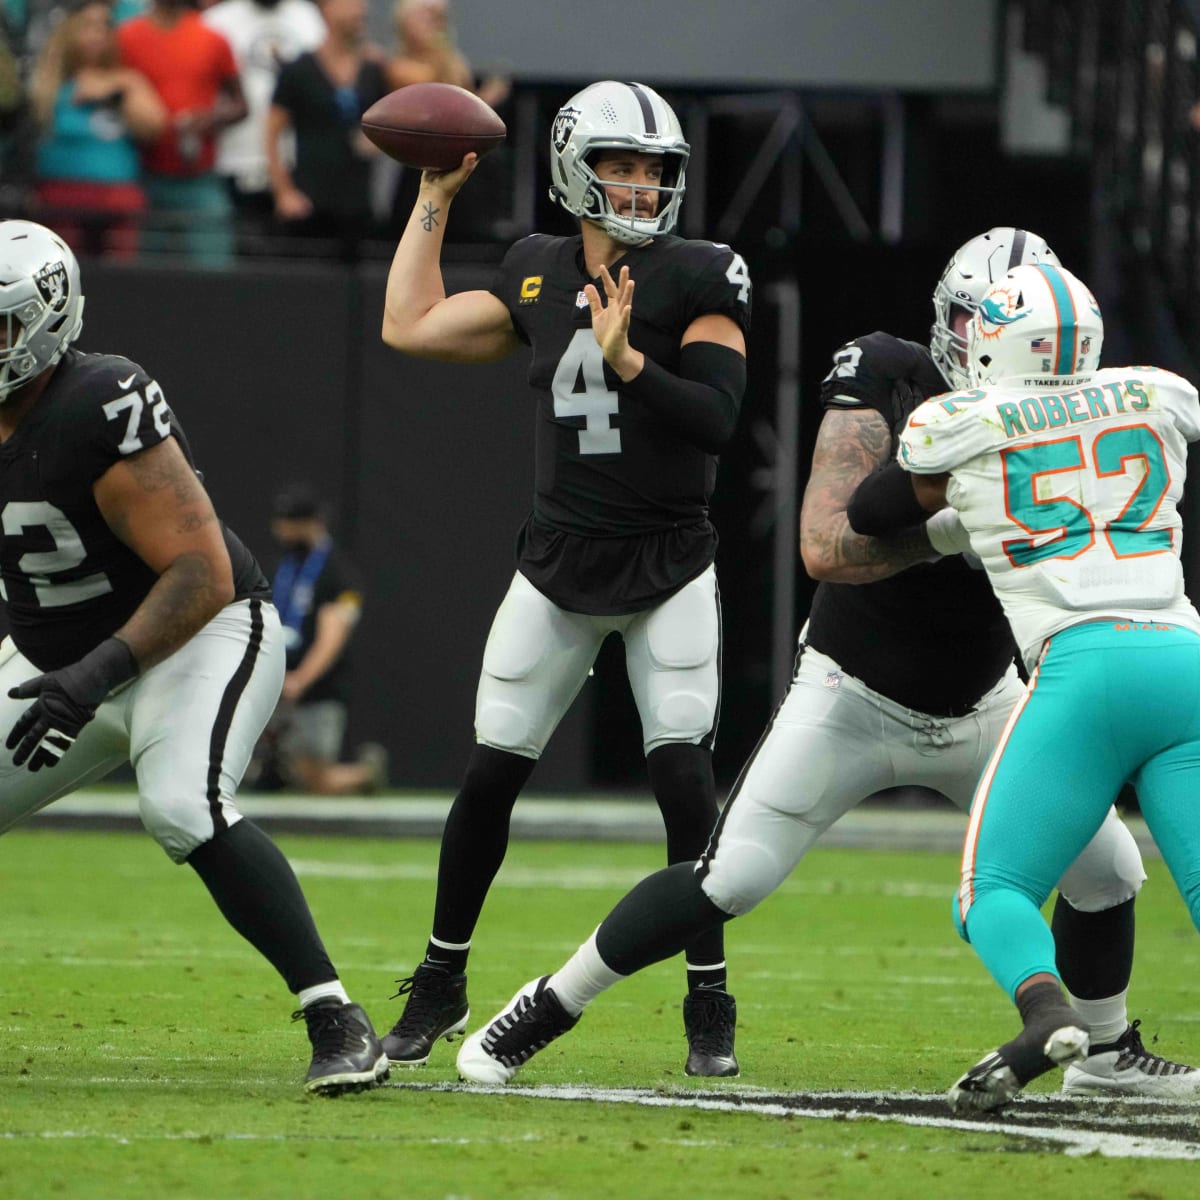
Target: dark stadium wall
x,y
279,375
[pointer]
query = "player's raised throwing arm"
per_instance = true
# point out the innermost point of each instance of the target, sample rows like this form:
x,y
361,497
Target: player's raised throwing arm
x,y
418,317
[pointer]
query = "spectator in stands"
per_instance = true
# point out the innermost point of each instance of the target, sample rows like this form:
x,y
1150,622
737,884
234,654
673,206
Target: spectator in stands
x,y
427,52
91,113
264,34
319,600
321,97
192,69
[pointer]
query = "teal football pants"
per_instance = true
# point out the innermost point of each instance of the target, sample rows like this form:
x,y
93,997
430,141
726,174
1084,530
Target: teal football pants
x,y
1110,702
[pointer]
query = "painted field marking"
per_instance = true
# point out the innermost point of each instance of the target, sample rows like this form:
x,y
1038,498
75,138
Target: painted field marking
x,y
1113,1128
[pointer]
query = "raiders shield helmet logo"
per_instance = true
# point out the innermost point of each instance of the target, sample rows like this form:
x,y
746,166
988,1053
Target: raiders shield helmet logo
x,y
51,282
564,125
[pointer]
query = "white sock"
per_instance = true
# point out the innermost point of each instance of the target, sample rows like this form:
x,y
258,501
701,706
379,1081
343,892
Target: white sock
x,y
323,991
1106,1019
582,978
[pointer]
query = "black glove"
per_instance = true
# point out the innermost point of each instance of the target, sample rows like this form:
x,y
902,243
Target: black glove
x,y
64,701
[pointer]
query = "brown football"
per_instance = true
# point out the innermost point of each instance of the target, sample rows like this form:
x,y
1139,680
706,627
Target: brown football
x,y
432,125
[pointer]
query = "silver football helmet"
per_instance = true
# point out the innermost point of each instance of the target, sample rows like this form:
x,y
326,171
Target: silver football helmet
x,y
976,265
620,116
1036,325
41,302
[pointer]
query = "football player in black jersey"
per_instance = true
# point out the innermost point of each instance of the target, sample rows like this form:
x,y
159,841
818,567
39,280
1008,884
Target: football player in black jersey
x,y
141,631
883,695
637,396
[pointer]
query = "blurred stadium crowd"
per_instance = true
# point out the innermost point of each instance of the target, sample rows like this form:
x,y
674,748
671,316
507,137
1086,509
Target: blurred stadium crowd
x,y
214,129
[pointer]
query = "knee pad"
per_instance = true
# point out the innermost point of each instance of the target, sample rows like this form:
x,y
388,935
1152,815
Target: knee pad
x,y
684,715
167,823
740,876
504,726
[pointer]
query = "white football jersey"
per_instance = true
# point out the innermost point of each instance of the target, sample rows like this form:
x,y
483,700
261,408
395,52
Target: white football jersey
x,y
1069,494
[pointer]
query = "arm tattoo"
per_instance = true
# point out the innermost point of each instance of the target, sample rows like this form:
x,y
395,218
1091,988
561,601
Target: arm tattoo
x,y
850,445
156,473
429,218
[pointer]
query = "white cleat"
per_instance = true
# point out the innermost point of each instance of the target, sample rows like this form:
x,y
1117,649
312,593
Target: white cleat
x,y
532,1019
1126,1068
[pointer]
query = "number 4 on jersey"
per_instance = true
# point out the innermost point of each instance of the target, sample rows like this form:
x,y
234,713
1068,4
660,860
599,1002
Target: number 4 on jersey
x,y
580,390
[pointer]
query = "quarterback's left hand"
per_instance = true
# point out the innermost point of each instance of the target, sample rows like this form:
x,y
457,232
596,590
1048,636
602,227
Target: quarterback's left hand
x,y
64,701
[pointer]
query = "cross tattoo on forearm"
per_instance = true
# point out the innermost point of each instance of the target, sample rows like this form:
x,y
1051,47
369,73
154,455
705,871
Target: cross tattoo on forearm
x,y
429,219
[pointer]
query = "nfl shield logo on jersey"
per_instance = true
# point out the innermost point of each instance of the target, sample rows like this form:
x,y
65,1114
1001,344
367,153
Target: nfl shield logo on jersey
x,y
51,281
833,679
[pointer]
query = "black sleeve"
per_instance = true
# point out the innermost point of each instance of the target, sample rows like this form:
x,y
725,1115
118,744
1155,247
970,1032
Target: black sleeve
x,y
702,402
885,503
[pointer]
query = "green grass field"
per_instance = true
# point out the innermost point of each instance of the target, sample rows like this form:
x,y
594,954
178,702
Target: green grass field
x,y
147,1051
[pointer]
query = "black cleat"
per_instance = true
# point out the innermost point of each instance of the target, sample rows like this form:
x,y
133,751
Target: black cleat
x,y
996,1079
347,1056
436,1007
710,1020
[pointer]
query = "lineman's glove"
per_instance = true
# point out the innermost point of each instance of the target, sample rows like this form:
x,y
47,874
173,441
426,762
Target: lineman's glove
x,y
64,701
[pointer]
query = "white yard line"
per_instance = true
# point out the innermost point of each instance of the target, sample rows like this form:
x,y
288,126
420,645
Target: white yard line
x,y
824,1106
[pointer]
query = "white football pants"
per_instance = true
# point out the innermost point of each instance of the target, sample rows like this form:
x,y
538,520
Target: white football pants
x,y
538,656
187,725
832,743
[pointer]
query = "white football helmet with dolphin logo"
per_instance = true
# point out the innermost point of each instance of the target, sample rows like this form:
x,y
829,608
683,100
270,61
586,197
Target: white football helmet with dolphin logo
x,y
1036,326
974,267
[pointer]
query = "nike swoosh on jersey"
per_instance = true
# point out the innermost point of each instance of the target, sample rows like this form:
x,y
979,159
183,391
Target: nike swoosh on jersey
x,y
123,384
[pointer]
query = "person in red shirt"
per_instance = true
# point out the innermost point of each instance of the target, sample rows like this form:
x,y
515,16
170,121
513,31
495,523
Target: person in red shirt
x,y
192,68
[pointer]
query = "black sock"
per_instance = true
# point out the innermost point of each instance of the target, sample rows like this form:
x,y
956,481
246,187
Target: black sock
x,y
1094,951
1043,1008
475,840
662,914
453,962
258,893
681,776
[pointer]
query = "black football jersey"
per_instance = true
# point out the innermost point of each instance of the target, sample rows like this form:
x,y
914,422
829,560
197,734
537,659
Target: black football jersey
x,y
934,637
68,581
620,509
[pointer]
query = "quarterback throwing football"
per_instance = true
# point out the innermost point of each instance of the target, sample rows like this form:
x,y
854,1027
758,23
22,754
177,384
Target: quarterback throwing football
x,y
637,342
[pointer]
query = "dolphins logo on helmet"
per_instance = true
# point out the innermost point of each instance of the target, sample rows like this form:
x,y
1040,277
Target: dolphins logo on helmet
x,y
976,265
1039,326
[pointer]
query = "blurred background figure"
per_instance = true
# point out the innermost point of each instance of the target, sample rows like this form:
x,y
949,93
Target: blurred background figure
x,y
264,34
192,68
320,98
91,113
319,598
427,52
